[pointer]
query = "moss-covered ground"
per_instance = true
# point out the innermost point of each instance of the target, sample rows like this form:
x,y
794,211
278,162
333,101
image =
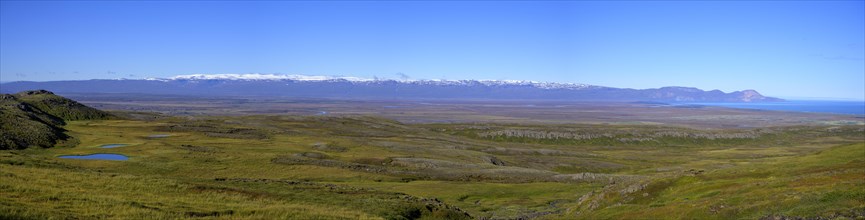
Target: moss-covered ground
x,y
323,167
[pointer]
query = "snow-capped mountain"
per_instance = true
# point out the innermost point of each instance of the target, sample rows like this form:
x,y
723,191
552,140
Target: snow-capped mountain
x,y
302,86
306,78
255,76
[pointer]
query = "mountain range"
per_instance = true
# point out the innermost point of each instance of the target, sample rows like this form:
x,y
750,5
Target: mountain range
x,y
299,86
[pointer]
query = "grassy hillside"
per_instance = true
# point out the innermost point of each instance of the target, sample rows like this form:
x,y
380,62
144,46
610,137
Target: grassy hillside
x,y
23,125
322,167
826,184
35,119
61,107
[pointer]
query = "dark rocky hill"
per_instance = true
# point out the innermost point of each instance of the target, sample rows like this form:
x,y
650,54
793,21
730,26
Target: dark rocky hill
x,y
35,119
59,106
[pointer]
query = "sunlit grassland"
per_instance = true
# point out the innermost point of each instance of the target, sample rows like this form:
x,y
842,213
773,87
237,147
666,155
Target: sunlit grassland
x,y
229,158
363,167
495,200
44,193
826,183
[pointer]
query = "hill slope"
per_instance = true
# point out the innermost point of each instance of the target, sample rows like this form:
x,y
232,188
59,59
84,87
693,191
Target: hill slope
x,y
35,118
59,106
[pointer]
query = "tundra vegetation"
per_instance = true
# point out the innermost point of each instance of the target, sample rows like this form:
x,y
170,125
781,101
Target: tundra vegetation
x,y
265,166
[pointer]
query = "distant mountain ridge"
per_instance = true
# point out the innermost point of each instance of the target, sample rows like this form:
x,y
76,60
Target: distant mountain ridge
x,y
300,86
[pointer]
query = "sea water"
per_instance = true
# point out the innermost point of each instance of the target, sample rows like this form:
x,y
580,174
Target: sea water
x,y
836,107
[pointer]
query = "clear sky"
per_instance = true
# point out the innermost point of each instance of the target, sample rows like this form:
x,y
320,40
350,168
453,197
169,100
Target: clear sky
x,y
780,48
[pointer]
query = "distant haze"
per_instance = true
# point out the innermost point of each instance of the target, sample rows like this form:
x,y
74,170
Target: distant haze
x,y
780,48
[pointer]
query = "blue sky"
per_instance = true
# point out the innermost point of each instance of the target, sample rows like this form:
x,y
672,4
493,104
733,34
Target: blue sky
x,y
780,48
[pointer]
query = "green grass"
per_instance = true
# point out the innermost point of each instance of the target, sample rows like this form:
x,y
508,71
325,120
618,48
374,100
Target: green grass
x,y
825,183
223,167
57,193
497,200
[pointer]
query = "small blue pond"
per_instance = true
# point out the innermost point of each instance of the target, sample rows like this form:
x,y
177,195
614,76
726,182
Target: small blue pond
x,y
96,157
112,145
158,136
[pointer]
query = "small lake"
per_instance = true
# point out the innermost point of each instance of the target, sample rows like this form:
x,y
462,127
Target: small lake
x,y
96,157
113,145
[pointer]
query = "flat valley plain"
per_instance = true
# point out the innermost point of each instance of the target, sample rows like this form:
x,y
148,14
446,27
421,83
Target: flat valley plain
x,y
254,158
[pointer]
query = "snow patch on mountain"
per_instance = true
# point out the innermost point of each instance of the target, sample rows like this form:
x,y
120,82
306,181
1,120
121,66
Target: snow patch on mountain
x,y
255,76
443,82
